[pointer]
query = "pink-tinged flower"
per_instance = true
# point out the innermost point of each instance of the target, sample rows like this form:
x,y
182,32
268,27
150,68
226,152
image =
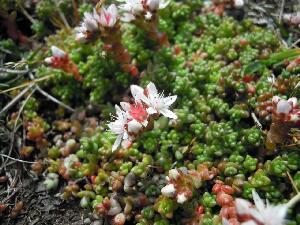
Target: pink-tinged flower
x,y
57,54
61,60
88,26
108,17
118,127
154,5
90,21
286,110
136,111
155,102
58,58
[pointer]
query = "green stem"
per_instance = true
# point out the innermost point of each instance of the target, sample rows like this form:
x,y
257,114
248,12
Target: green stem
x,y
293,201
26,14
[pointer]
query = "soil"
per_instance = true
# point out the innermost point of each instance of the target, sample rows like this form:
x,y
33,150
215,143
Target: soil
x,y
41,208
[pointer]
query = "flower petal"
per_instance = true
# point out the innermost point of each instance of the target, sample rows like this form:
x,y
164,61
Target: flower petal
x,y
57,52
134,126
151,88
136,92
117,142
125,106
151,110
251,222
168,113
112,9
259,204
256,214
242,206
153,4
163,4
90,22
293,101
118,110
170,100
276,99
127,17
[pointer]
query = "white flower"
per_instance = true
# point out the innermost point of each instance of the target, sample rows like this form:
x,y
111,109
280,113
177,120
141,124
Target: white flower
x,y
264,213
57,52
284,106
108,17
69,161
168,190
156,102
157,4
90,22
118,127
181,198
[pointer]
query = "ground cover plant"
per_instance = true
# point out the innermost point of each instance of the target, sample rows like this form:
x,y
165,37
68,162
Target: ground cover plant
x,y
149,112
